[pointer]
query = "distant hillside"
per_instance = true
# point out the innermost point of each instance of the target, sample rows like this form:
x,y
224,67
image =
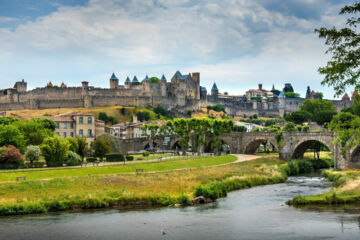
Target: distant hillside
x,y
120,114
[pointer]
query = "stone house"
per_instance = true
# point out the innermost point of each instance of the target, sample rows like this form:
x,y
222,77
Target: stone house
x,y
78,124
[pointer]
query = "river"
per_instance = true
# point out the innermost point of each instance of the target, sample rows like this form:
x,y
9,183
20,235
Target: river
x,y
257,213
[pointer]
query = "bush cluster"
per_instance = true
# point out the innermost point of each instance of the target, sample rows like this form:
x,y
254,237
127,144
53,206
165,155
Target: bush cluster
x,y
115,157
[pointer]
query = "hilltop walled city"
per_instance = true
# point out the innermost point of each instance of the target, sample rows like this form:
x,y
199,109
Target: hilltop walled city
x,y
181,94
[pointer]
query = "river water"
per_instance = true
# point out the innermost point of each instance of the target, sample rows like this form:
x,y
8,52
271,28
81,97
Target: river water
x,y
257,213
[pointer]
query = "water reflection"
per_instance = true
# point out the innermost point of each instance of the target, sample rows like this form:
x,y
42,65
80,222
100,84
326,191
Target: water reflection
x,y
257,213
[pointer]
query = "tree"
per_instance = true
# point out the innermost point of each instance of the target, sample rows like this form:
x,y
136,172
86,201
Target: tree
x,y
107,119
33,131
55,150
73,144
82,146
323,117
342,70
289,127
319,95
160,110
288,88
239,128
11,135
143,116
8,120
114,142
32,153
45,123
292,95
316,106
154,80
276,92
101,147
298,117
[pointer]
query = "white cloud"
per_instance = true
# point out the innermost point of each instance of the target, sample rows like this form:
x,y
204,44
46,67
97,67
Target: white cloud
x,y
228,41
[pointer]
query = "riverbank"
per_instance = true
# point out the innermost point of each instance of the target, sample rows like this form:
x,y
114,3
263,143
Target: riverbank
x,y
346,190
124,190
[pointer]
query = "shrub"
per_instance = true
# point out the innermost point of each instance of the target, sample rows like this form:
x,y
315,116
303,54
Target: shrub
x,y
289,127
305,166
73,159
34,165
91,159
305,128
213,190
145,154
298,117
294,167
114,142
115,157
10,157
129,158
139,158
32,153
54,149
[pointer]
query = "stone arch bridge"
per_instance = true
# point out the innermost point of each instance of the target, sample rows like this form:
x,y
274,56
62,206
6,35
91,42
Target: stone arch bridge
x,y
292,145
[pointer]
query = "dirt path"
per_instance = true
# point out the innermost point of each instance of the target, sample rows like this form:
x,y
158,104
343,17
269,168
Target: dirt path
x,y
245,157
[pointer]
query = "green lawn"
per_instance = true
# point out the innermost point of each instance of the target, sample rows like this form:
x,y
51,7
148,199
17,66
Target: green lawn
x,y
162,188
165,165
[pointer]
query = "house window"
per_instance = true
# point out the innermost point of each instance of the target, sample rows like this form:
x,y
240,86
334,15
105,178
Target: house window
x,y
71,134
64,134
65,125
57,125
89,120
81,133
81,120
89,133
72,125
58,134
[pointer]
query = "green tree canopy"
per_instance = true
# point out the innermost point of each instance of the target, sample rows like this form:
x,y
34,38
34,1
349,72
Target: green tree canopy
x,y
11,135
101,147
317,105
299,117
154,80
343,70
55,150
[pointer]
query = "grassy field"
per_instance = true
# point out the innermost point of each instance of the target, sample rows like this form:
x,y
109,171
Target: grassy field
x,y
145,189
346,190
165,165
114,111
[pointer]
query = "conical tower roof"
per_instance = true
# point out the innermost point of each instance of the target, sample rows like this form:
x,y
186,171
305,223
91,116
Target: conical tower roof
x,y
127,80
113,77
214,88
135,80
163,78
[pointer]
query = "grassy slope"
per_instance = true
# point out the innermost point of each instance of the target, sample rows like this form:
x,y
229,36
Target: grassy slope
x,y
147,189
130,168
110,111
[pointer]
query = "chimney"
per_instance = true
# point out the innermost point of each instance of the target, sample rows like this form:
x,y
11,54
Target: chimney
x,y
260,86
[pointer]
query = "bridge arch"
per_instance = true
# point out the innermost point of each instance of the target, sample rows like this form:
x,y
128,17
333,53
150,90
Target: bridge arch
x,y
254,144
300,148
354,161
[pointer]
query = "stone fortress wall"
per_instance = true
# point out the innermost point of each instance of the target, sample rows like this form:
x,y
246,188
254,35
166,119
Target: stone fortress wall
x,y
181,94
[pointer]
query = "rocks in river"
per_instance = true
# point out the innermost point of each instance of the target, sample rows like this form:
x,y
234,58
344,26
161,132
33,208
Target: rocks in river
x,y
200,200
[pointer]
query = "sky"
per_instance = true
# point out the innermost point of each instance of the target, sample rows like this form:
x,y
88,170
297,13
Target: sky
x,y
235,43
